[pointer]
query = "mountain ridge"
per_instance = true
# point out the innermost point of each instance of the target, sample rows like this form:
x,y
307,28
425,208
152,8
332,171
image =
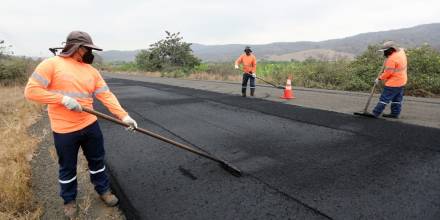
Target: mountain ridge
x,y
340,47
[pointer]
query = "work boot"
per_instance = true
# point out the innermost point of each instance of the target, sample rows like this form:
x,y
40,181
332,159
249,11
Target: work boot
x,y
252,92
109,199
390,116
70,210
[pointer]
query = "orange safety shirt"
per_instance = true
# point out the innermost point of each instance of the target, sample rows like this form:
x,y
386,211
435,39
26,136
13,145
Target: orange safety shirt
x,y
249,63
395,71
58,76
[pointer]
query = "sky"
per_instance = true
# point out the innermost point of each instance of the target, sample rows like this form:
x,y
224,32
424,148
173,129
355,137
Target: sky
x,y
32,26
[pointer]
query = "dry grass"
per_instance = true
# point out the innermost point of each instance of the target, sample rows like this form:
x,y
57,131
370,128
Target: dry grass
x,y
16,151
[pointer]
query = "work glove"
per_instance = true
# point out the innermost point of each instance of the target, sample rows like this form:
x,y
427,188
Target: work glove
x,y
71,104
236,66
128,120
376,81
254,75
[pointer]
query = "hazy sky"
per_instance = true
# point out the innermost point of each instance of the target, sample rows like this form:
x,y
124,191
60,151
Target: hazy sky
x,y
33,26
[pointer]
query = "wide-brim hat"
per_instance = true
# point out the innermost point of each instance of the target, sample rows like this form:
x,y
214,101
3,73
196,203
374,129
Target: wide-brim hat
x,y
247,48
75,40
389,44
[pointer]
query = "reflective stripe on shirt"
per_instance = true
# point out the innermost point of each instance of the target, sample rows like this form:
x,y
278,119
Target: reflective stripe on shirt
x,y
395,70
72,94
101,90
43,81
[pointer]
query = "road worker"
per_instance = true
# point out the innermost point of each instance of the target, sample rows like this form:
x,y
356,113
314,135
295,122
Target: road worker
x,y
249,70
395,77
66,83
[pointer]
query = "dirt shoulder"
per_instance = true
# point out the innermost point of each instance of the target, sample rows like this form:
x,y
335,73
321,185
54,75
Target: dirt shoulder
x,y
45,181
419,111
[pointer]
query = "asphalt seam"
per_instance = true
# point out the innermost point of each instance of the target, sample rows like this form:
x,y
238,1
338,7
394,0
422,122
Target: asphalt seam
x,y
168,130
315,210
269,113
336,92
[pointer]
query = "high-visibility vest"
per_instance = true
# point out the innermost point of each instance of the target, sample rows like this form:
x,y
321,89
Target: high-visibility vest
x,y
58,76
249,63
395,71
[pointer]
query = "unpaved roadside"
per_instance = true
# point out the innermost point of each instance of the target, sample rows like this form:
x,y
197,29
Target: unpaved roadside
x,y
45,181
418,111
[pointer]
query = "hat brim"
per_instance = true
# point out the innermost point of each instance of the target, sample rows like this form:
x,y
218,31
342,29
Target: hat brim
x,y
395,48
91,46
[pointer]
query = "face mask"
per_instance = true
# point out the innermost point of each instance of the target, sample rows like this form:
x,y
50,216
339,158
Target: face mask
x,y
88,57
388,52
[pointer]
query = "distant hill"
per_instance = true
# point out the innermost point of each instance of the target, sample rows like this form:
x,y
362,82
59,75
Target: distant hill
x,y
349,46
319,54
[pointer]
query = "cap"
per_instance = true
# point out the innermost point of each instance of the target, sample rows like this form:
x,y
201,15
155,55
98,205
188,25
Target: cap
x,y
76,39
389,44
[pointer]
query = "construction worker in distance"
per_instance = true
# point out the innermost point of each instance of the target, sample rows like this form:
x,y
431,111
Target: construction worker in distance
x,y
249,70
395,77
66,83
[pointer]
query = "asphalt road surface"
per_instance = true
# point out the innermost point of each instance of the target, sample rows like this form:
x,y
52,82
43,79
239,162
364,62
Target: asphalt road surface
x,y
298,163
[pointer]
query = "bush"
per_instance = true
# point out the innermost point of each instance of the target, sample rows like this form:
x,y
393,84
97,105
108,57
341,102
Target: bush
x,y
15,70
167,55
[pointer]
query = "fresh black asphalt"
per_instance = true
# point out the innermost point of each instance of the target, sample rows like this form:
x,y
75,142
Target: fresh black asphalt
x,y
298,163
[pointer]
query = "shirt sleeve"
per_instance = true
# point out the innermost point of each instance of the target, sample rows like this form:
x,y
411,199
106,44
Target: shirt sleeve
x,y
389,68
36,88
254,65
239,60
103,94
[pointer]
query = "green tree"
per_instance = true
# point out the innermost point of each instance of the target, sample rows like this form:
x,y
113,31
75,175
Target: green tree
x,y
167,54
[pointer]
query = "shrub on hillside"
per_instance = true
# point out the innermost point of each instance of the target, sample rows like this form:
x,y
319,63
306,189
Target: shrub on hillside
x,y
15,70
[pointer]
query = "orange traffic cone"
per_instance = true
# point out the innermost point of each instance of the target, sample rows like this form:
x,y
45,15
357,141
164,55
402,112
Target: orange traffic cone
x,y
288,92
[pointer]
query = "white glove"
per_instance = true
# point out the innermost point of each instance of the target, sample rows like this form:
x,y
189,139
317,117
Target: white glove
x,y
236,66
71,104
254,75
128,120
376,81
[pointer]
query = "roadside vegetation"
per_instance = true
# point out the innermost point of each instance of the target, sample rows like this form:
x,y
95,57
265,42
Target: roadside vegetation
x,y
17,146
172,57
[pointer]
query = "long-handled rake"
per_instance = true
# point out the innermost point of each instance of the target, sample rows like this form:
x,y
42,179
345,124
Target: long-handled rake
x,y
365,112
225,165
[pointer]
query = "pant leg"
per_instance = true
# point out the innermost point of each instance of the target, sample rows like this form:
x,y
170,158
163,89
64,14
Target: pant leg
x,y
384,100
67,146
244,82
396,102
252,85
93,148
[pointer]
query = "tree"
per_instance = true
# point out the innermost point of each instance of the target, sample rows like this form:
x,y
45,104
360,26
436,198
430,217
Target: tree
x,y
167,54
5,50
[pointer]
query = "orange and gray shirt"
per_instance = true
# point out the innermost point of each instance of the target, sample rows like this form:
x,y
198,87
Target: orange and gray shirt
x,y
395,70
249,63
58,76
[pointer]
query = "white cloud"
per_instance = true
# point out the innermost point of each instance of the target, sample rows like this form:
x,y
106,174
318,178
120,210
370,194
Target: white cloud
x,y
33,26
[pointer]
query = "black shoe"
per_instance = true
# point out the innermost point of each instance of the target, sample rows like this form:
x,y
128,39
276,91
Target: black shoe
x,y
243,94
390,116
